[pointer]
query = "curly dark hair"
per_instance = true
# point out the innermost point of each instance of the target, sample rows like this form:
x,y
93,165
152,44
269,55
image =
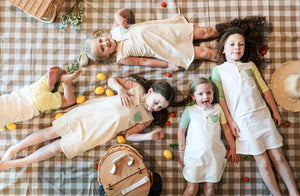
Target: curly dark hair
x,y
166,90
256,31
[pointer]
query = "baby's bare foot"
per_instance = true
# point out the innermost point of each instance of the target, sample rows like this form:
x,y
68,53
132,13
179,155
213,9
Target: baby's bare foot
x,y
54,74
70,77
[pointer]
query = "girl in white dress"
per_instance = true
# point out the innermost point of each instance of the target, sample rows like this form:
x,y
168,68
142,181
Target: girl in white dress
x,y
202,152
163,43
241,90
97,121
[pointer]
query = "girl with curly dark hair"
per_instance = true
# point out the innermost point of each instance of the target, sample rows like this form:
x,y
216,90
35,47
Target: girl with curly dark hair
x,y
242,94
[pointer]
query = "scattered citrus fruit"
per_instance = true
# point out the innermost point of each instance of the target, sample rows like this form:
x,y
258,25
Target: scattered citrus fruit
x,y
121,139
11,126
99,90
109,92
2,129
80,99
58,115
172,114
101,76
168,154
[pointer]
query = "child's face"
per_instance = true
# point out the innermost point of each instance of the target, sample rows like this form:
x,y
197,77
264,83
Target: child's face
x,y
155,101
203,95
103,47
234,48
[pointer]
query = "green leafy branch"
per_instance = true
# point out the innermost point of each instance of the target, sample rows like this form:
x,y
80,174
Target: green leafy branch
x,y
75,17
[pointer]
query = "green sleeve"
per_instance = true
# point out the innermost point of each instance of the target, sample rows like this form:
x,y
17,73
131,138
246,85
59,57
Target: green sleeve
x,y
216,79
185,119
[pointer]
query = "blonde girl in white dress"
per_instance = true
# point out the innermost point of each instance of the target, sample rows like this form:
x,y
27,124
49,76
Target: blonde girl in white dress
x,y
163,43
202,152
241,90
97,121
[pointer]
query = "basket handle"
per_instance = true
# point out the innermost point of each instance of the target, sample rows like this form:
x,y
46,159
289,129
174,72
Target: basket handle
x,y
129,163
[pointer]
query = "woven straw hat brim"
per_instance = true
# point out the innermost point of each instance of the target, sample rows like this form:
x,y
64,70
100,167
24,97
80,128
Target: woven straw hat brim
x,y
282,98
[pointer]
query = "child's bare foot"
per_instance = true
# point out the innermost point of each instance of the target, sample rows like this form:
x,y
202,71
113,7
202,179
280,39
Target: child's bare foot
x,y
4,165
9,154
54,74
157,135
70,77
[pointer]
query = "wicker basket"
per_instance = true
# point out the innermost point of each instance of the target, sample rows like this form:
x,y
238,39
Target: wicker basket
x,y
42,10
118,177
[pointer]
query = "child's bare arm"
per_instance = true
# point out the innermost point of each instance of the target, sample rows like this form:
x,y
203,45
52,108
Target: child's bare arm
x,y
233,126
121,18
267,95
133,134
228,135
148,62
181,142
69,98
122,92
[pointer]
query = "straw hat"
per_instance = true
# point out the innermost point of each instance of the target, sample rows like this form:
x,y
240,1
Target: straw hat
x,y
285,85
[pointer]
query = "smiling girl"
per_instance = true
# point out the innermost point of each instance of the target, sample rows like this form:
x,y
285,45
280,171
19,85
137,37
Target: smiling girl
x,y
97,121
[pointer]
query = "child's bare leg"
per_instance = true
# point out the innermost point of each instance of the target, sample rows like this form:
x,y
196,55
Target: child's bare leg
x,y
205,32
69,97
36,137
282,167
53,75
266,172
191,189
205,53
209,189
41,154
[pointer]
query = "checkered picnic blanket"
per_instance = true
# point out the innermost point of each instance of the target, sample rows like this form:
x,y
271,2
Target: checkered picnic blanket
x,y
29,48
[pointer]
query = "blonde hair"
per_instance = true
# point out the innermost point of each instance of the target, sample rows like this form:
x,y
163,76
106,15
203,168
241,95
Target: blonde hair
x,y
102,32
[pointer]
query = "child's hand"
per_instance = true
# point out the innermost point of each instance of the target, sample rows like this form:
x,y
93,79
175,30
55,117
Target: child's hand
x,y
157,135
277,119
126,101
235,158
181,154
234,128
173,67
121,21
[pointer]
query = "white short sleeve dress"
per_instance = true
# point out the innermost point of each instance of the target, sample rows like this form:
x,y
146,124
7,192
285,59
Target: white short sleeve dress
x,y
248,109
98,121
169,42
204,158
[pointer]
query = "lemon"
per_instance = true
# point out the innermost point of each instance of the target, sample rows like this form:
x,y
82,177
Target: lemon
x,y
101,76
99,90
11,126
80,99
2,129
121,139
58,115
63,85
109,92
168,154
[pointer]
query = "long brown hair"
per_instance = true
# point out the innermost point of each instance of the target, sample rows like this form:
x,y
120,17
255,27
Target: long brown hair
x,y
256,31
166,90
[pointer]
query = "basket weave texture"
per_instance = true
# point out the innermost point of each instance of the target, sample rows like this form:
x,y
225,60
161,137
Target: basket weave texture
x,y
37,8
